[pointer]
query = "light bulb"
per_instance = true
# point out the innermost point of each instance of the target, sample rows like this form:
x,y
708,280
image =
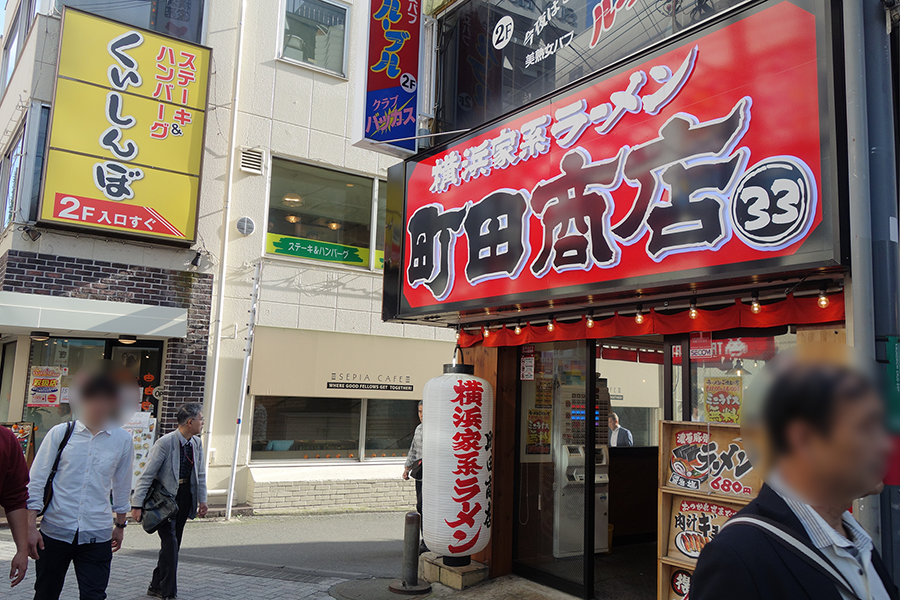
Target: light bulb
x,y
590,322
518,329
458,335
639,318
487,332
823,300
551,326
693,312
755,307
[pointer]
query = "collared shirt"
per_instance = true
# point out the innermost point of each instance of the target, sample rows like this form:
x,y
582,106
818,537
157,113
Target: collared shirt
x,y
415,449
92,466
614,437
852,557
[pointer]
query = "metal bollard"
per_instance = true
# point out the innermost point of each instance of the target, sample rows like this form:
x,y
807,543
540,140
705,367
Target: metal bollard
x,y
409,579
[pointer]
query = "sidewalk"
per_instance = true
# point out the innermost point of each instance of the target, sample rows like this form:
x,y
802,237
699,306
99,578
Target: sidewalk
x,y
196,581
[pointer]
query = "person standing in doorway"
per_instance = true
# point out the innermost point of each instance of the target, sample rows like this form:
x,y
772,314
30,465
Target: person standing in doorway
x,y
94,461
413,468
14,500
176,460
618,436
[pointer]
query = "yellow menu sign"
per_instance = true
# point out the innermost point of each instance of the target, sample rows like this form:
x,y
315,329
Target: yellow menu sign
x,y
126,134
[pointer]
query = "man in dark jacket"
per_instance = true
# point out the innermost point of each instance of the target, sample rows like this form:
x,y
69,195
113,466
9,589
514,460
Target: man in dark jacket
x,y
829,446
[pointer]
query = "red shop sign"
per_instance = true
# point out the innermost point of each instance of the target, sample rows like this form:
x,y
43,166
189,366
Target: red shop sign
x,y
756,348
703,161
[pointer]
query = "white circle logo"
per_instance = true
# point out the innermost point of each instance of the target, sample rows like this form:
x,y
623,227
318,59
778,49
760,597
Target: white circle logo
x,y
503,32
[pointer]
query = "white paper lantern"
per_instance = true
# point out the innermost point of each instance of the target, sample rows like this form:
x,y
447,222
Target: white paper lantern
x,y
458,416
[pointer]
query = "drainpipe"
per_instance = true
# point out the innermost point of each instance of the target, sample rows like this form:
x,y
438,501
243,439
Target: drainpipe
x,y
860,214
226,230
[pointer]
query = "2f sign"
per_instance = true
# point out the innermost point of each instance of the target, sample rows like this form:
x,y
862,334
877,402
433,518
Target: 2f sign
x,y
503,32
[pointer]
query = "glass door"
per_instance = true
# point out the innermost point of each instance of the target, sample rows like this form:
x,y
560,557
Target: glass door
x,y
555,466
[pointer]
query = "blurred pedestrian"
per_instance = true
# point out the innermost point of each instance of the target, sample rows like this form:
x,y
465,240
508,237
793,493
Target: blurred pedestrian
x,y
14,499
79,466
176,460
828,447
413,468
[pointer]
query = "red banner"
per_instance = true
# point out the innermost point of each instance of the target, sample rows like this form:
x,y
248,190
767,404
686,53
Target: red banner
x,y
704,159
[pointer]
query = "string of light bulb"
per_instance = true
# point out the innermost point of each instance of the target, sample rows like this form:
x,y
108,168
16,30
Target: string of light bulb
x,y
693,312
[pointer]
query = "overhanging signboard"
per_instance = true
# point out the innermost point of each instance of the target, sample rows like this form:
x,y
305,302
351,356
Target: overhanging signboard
x,y
126,135
391,102
712,158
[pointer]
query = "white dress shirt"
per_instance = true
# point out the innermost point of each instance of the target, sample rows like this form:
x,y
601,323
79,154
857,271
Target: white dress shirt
x,y
91,467
614,437
852,557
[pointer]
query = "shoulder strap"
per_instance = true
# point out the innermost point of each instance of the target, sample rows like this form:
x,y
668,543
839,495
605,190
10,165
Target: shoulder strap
x,y
807,553
48,488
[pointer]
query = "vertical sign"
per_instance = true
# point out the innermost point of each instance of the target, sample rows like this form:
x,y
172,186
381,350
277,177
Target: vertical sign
x,y
892,389
126,135
391,110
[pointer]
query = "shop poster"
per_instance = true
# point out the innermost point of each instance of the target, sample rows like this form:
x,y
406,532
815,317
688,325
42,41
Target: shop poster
x,y
723,396
543,391
142,428
539,431
45,386
711,461
694,523
24,433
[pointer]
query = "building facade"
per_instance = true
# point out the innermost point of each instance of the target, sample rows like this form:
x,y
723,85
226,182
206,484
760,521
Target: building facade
x,y
290,225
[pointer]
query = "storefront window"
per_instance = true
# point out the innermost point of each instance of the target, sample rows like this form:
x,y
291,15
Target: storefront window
x,y
55,359
315,34
723,365
182,19
305,428
311,429
390,425
320,214
486,70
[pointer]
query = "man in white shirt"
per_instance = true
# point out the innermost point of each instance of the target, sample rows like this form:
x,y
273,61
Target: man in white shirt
x,y
78,525
618,436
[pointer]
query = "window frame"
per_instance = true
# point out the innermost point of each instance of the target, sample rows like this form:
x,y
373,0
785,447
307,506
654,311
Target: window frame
x,y
376,180
11,207
345,59
10,38
361,450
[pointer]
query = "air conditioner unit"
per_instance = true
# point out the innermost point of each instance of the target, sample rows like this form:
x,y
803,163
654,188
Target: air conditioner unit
x,y
252,160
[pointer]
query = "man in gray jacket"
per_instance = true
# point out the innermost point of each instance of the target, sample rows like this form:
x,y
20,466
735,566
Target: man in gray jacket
x,y
177,461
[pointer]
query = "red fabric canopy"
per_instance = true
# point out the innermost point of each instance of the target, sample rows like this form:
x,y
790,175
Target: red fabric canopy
x,y
790,311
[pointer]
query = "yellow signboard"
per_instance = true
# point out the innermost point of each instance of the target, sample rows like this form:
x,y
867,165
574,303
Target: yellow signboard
x,y
126,135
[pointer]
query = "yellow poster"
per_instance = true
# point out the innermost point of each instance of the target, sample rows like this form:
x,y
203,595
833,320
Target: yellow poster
x,y
722,396
539,432
126,134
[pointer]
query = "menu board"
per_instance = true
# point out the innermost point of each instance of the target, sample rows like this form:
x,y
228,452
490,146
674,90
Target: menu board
x,y
143,434
694,523
704,459
24,432
679,584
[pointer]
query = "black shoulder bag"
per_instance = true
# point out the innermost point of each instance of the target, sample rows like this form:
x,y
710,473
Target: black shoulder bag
x,y
48,487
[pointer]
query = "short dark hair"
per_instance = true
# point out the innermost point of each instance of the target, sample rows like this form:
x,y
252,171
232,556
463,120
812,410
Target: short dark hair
x,y
188,412
810,394
100,385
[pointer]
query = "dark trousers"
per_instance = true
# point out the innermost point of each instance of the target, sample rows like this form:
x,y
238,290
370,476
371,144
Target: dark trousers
x,y
91,569
166,572
419,496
